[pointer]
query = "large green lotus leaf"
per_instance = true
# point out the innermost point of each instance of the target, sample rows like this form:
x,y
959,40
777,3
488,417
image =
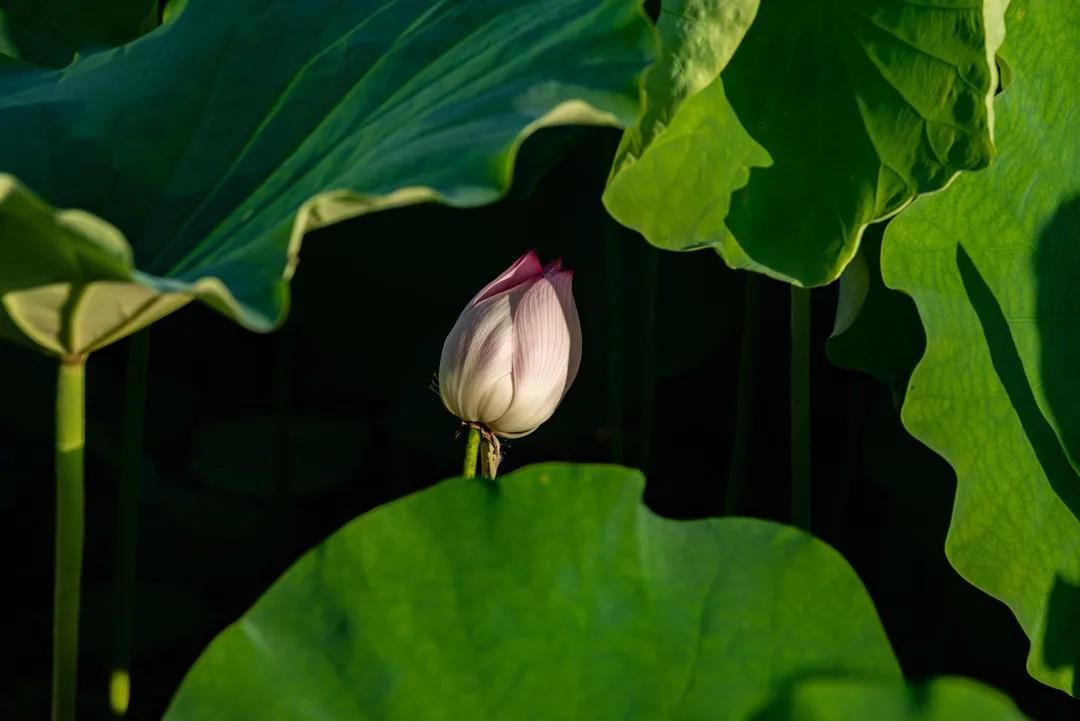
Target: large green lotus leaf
x,y
51,32
553,593
689,149
845,699
994,267
198,155
829,116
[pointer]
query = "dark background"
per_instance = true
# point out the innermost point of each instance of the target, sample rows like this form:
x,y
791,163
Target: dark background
x,y
257,447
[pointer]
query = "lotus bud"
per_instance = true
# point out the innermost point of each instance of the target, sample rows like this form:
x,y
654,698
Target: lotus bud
x,y
514,351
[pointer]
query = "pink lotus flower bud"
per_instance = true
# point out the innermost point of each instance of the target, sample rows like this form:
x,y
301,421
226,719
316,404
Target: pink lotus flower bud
x,y
515,349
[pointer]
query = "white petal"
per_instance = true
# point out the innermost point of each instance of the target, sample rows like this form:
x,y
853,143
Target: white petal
x,y
475,371
564,287
542,357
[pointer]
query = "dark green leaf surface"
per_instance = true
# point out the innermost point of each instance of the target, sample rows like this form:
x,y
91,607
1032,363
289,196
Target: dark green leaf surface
x,y
51,32
552,594
830,115
994,267
200,154
943,699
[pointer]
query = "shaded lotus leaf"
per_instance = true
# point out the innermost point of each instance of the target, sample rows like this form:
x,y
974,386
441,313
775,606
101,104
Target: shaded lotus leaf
x,y
195,158
827,117
993,267
675,170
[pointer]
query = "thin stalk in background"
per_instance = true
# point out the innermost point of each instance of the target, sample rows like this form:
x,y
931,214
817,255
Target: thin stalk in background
x,y
649,287
614,267
800,407
472,452
745,383
127,522
70,521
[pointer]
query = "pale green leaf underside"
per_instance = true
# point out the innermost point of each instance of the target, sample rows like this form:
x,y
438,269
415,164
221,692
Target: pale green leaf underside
x,y
832,115
994,268
207,148
553,593
689,143
698,38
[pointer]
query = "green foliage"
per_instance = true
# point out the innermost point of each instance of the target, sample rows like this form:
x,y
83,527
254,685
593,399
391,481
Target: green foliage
x,y
992,266
553,589
944,699
199,155
828,116
51,32
189,163
674,171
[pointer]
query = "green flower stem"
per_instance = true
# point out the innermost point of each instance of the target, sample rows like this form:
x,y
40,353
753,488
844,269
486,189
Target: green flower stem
x,y
70,441
744,396
800,407
127,516
472,451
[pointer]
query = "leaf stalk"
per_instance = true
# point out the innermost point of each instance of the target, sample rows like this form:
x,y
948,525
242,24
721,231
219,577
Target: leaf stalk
x,y
70,523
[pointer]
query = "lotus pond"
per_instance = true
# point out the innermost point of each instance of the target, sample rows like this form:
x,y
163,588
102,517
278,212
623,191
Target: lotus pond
x,y
427,360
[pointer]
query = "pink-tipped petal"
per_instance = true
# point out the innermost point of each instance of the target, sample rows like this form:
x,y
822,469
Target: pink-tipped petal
x,y
523,269
475,371
543,348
